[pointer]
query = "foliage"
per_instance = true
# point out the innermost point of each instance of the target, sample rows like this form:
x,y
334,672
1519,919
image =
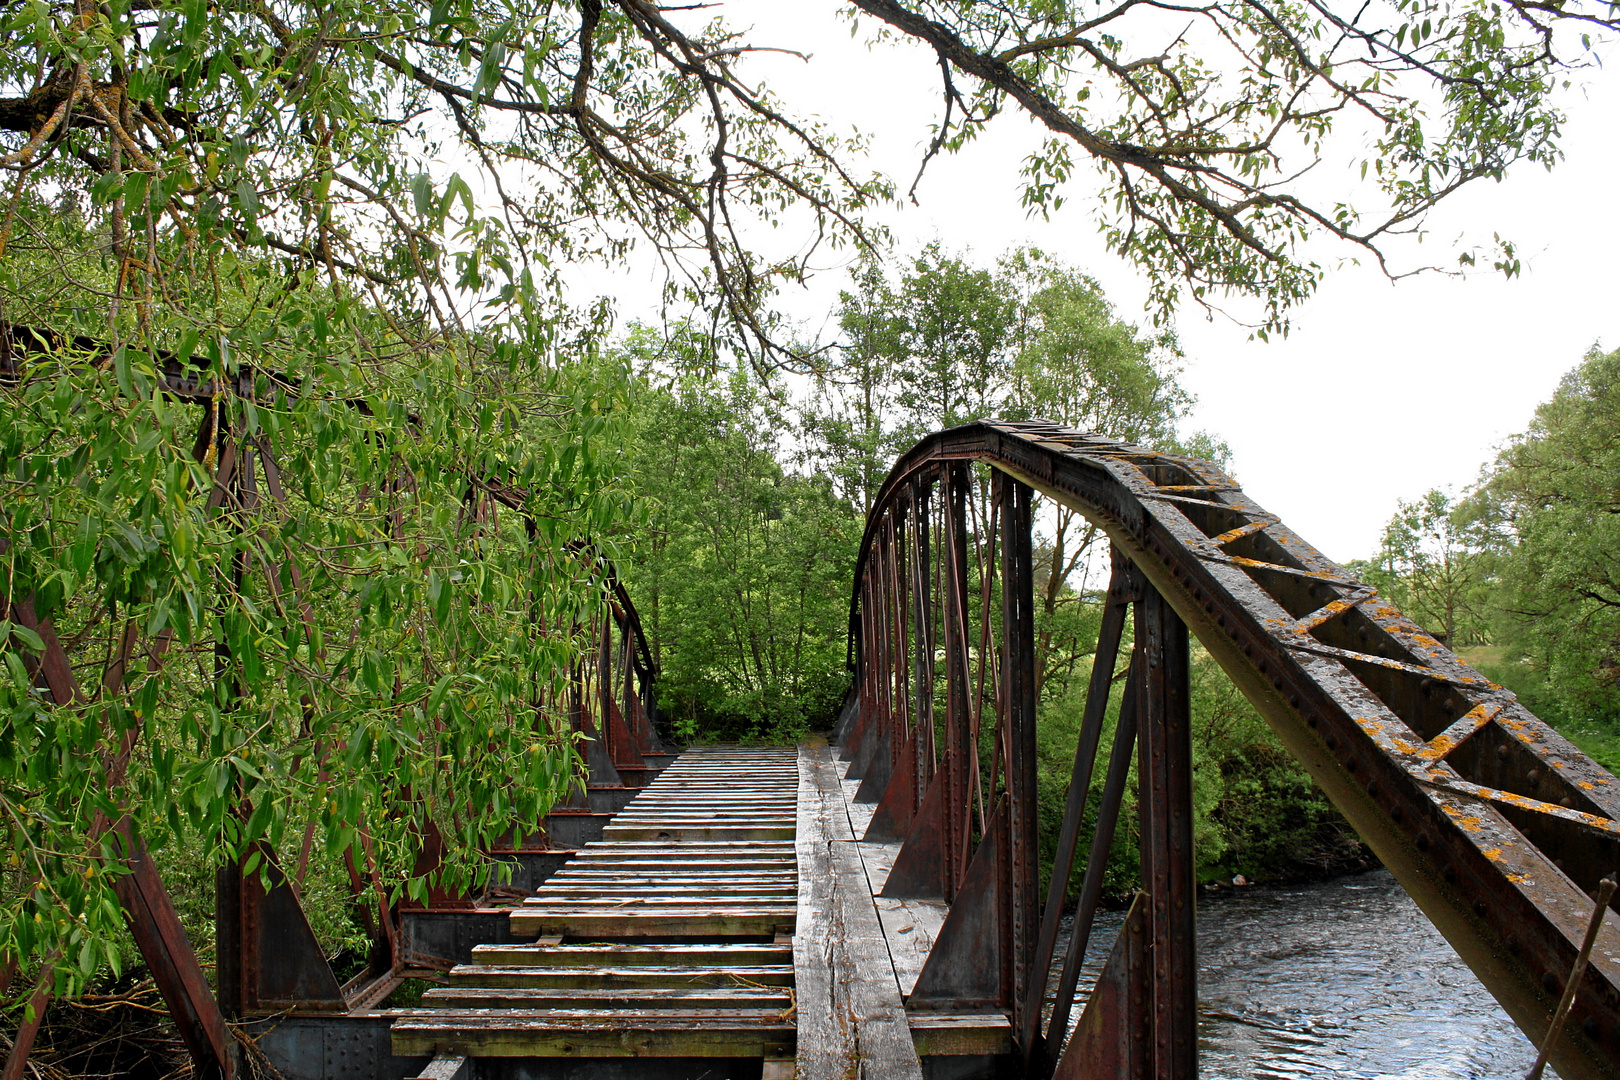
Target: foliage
x,y
441,161
1255,810
353,644
1551,516
1200,129
742,575
1431,565
1522,570
365,204
946,342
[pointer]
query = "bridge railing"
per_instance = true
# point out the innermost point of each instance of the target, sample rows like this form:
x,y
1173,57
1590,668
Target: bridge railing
x,y
1496,825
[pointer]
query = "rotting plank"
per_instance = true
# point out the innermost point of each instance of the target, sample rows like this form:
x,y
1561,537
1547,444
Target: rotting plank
x,y
630,923
961,1034
706,855
697,832
658,997
909,925
563,955
849,1008
645,976
732,1033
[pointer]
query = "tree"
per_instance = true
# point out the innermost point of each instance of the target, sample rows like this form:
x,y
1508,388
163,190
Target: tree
x,y
1430,564
348,219
302,621
192,136
1028,338
1552,503
742,567
1202,127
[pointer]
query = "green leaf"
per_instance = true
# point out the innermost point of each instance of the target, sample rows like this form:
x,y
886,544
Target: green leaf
x,y
28,637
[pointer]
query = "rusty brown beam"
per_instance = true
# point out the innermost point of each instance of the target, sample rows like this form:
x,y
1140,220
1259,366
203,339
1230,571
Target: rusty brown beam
x,y
1496,825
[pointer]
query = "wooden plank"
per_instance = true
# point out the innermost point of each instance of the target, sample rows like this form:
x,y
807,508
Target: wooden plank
x,y
850,1013
654,924
645,976
631,849
909,926
628,895
717,832
598,955
950,1035
547,1033
726,826
686,888
447,1066
697,860
698,876
708,900
553,997
707,851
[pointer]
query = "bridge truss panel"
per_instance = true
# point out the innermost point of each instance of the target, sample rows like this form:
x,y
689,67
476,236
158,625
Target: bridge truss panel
x,y
1498,827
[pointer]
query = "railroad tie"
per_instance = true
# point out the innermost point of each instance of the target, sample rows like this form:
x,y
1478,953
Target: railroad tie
x,y
670,937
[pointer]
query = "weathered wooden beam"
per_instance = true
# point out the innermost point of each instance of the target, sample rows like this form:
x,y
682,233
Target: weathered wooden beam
x,y
850,1014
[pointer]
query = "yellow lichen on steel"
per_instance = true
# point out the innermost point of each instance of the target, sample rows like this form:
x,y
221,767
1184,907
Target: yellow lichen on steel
x,y
1494,854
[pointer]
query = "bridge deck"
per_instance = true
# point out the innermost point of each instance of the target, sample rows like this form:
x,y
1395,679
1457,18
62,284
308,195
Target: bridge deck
x,y
727,912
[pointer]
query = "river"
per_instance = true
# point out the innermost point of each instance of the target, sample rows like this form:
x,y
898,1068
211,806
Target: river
x,y
1346,979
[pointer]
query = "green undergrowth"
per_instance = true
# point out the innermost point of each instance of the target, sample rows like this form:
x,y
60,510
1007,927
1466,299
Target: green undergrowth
x,y
1256,812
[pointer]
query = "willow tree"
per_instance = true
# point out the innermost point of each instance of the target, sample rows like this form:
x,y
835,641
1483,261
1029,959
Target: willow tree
x,y
335,595
1203,122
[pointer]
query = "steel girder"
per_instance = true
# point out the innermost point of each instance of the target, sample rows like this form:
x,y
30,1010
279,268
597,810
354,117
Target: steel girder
x,y
1498,827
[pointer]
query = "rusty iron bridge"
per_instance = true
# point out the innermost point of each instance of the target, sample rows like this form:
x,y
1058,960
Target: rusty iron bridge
x,y
870,906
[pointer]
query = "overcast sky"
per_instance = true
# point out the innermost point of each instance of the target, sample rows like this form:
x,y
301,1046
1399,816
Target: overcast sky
x,y
1381,391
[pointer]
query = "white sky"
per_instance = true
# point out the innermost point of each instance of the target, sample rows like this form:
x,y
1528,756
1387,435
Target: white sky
x,y
1381,391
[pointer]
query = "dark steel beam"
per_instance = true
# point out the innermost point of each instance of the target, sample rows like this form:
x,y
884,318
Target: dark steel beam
x,y
1165,813
1022,861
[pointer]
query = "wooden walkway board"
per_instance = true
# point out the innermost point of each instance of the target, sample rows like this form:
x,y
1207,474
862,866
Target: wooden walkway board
x,y
850,1014
728,911
668,937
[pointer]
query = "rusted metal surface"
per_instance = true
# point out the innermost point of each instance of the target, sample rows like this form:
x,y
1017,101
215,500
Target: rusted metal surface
x,y
1112,1038
268,959
153,923
1165,816
169,957
1496,825
1022,867
1085,757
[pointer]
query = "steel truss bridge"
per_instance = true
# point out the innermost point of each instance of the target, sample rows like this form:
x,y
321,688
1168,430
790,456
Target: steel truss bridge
x,y
871,908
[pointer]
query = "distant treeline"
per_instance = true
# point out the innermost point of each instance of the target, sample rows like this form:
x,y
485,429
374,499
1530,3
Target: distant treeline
x,y
1521,572
754,491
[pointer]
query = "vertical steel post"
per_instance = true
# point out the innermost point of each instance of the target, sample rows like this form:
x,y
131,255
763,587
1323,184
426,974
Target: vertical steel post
x,y
1165,771
922,674
959,759
1085,757
1021,866
898,641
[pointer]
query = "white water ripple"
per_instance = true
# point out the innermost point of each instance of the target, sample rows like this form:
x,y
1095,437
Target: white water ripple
x,y
1345,979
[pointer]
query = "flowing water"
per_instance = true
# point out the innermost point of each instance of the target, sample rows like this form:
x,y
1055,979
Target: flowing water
x,y
1343,979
